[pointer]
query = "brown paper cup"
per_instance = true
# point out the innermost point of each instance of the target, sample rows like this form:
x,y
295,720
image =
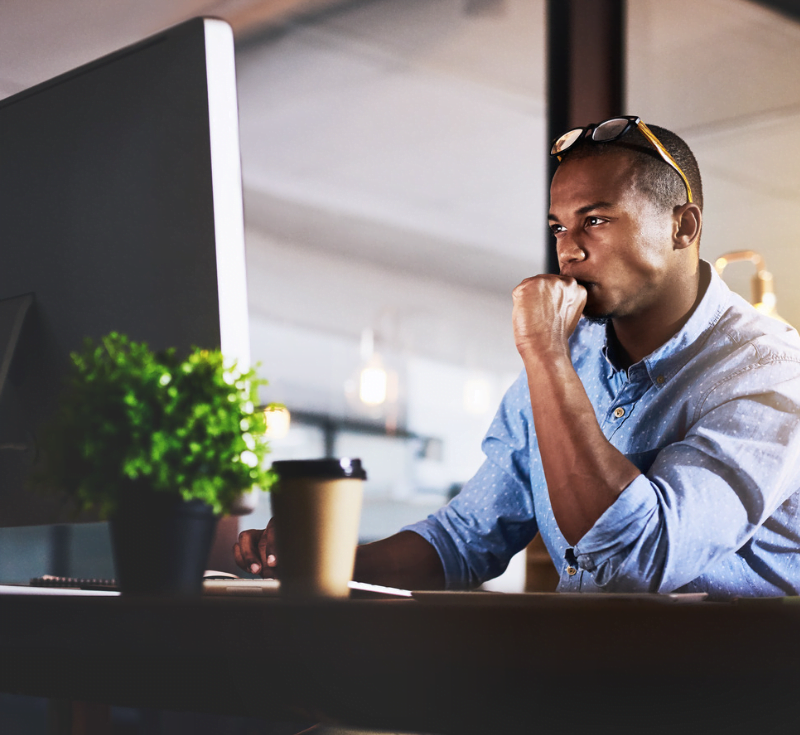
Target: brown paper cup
x,y
316,525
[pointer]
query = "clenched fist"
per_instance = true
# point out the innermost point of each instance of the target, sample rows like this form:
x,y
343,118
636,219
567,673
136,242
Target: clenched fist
x,y
546,311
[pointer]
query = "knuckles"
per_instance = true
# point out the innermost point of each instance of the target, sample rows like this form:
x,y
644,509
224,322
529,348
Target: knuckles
x,y
245,535
544,284
252,538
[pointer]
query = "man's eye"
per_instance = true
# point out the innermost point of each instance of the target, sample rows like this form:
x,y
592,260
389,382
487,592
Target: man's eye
x,y
557,229
594,221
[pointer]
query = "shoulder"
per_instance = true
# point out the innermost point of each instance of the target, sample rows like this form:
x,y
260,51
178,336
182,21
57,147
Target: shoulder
x,y
752,336
748,352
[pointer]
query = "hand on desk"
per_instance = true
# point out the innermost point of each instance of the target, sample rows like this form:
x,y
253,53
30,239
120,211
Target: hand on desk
x,y
405,560
255,551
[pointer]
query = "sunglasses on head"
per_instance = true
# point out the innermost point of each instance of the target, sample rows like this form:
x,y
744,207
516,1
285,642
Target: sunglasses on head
x,y
611,130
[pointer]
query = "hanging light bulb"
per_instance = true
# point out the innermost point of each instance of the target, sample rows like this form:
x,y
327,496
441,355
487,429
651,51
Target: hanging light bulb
x,y
373,383
762,287
278,422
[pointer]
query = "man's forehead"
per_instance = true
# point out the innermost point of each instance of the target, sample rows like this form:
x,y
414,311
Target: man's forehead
x,y
607,178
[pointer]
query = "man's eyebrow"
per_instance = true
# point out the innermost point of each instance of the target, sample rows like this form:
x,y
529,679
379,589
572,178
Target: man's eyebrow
x,y
585,210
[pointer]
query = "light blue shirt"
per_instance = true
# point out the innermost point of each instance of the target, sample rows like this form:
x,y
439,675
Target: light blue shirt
x,y
711,419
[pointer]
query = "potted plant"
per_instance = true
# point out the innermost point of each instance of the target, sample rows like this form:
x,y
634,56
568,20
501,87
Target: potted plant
x,y
161,446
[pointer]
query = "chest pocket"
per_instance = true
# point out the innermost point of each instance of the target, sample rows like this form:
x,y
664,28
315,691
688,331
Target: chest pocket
x,y
643,460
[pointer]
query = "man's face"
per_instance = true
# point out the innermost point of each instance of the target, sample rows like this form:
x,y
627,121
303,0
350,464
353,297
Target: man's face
x,y
611,237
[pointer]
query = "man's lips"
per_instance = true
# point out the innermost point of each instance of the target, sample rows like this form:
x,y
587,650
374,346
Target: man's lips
x,y
588,285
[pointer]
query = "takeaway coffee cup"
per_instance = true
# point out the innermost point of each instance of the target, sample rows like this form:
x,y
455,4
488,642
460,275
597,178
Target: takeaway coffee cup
x,y
316,504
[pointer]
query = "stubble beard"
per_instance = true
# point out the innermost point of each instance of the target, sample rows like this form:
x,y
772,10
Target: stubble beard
x,y
596,316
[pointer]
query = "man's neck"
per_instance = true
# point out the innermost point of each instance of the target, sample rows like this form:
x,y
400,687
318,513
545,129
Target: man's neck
x,y
639,335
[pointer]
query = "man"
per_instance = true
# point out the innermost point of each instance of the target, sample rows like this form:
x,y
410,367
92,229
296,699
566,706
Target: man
x,y
655,442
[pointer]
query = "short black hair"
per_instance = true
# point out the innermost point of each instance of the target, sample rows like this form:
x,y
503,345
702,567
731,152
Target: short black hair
x,y
655,177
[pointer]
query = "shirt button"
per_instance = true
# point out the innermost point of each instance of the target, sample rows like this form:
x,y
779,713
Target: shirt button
x,y
619,412
660,380
572,571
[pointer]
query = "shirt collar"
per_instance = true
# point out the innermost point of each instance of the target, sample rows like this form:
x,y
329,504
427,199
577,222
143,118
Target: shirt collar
x,y
663,363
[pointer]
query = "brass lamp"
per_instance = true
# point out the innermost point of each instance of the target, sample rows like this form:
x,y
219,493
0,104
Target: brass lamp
x,y
762,288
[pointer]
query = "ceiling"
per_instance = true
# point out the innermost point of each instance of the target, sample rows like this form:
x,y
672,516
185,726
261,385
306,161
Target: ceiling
x,y
41,38
408,133
412,134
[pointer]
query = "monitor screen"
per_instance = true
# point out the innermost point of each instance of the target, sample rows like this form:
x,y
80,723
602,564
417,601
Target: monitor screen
x,y
120,209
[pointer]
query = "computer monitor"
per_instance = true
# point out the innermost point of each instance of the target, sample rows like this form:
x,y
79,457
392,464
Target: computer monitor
x,y
120,209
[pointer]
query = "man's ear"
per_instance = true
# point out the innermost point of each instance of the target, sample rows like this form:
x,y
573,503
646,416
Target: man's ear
x,y
688,221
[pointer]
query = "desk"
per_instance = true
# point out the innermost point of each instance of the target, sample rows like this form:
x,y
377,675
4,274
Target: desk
x,y
553,665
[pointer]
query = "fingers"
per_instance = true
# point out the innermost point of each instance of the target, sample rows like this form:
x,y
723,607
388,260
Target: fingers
x,y
545,283
255,551
245,551
267,548
557,292
546,310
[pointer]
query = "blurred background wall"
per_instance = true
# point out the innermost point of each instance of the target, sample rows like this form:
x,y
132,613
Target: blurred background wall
x,y
394,164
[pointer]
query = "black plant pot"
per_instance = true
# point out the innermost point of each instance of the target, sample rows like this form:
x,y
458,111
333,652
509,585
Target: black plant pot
x,y
161,542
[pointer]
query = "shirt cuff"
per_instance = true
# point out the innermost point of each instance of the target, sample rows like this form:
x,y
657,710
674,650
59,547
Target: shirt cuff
x,y
619,527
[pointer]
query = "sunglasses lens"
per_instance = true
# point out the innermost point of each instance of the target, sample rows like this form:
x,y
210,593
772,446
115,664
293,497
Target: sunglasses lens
x,y
566,141
610,129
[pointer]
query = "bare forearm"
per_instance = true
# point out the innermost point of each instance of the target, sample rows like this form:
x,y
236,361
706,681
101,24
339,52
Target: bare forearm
x,y
405,560
585,474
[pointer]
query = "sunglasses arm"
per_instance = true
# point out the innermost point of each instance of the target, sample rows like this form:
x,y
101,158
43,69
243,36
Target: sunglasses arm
x,y
666,156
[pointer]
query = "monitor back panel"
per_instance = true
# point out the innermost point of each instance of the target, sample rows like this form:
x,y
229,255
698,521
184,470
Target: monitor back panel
x,y
107,217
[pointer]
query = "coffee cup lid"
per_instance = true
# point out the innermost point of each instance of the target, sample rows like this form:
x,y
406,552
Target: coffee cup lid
x,y
331,469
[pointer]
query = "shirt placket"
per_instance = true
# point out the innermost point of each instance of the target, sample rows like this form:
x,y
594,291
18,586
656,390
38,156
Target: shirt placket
x,y
624,402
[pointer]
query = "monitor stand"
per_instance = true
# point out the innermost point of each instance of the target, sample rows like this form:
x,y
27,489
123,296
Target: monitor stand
x,y
12,316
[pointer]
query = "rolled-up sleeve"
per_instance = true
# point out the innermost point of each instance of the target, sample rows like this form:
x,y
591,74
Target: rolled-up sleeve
x,y
704,497
478,532
492,518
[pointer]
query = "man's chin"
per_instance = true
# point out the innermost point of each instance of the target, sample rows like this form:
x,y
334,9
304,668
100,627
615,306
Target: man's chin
x,y
594,313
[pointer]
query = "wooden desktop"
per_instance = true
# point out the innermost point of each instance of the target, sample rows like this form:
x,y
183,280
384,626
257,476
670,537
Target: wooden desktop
x,y
488,664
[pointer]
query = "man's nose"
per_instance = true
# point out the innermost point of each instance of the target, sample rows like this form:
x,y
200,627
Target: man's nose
x,y
569,251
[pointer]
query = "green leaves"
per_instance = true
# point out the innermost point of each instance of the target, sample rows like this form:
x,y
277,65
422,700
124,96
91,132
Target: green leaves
x,y
185,426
